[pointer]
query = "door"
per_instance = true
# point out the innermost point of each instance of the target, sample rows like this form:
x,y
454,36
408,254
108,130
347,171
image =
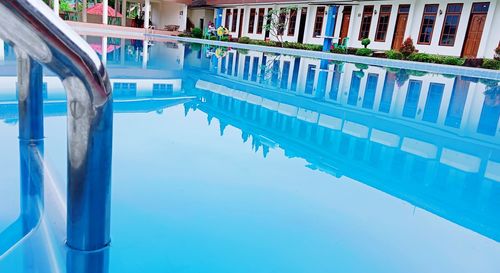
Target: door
x,y
240,31
346,18
473,36
400,28
202,23
302,25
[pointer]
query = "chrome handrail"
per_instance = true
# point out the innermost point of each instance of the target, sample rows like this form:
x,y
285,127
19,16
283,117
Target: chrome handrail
x,y
31,26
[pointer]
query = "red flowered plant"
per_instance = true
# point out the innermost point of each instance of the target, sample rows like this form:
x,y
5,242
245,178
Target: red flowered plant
x,y
407,48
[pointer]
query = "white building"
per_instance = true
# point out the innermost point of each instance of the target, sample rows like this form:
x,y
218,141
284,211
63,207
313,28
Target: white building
x,y
456,28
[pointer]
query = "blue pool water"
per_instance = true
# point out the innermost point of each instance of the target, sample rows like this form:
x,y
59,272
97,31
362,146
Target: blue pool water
x,y
229,160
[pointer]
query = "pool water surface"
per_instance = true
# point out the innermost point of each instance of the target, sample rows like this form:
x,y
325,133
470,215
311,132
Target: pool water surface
x,y
229,160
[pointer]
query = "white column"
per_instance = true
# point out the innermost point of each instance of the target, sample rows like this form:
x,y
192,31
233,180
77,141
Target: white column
x,y
84,11
183,18
147,9
56,6
105,12
104,49
124,12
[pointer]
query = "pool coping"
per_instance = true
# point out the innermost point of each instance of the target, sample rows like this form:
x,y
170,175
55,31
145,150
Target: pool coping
x,y
428,67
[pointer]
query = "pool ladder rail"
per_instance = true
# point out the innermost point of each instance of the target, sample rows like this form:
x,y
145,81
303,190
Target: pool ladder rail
x,y
41,38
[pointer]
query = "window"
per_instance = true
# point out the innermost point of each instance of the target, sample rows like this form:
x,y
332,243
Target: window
x,y
318,22
366,22
433,102
383,23
124,89
292,22
251,21
228,14
235,18
260,21
370,90
450,24
162,89
480,7
428,21
281,22
412,97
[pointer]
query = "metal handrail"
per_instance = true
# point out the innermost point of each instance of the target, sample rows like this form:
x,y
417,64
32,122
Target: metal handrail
x,y
32,27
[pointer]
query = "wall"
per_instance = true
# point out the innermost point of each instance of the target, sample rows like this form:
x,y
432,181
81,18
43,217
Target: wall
x,y
196,14
169,14
490,40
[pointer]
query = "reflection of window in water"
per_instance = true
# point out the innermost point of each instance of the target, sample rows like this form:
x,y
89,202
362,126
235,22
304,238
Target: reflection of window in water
x,y
370,90
124,89
162,89
311,73
433,102
411,102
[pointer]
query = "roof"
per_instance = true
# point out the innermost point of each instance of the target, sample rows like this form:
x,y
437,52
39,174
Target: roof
x,y
98,8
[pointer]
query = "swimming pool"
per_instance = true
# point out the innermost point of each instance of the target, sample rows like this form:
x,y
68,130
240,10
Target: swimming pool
x,y
232,160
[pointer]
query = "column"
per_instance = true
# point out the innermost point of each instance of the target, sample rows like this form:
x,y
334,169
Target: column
x,y
322,80
147,10
124,13
56,6
84,11
122,51
104,12
331,18
218,17
183,18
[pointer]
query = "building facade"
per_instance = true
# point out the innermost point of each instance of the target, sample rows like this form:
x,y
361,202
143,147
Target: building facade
x,y
456,28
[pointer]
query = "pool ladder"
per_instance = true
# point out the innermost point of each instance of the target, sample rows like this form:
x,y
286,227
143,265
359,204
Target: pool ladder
x,y
40,37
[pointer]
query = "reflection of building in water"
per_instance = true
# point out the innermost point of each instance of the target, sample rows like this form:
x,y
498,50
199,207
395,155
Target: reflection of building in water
x,y
455,104
437,170
129,95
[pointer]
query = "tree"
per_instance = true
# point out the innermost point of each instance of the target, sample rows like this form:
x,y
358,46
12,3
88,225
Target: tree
x,y
277,20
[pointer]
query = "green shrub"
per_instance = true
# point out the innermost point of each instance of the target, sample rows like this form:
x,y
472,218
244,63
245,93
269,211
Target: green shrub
x,y
453,60
224,38
182,35
424,58
244,40
197,32
407,48
364,52
213,38
242,51
314,47
394,55
339,50
365,42
491,64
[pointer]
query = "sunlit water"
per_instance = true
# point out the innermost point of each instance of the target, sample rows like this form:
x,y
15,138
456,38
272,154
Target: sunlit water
x,y
230,160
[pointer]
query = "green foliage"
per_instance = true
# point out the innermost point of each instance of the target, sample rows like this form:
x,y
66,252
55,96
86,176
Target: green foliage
x,y
394,55
224,38
339,51
365,42
437,59
213,38
197,32
65,6
364,52
453,60
182,35
244,40
491,64
407,48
